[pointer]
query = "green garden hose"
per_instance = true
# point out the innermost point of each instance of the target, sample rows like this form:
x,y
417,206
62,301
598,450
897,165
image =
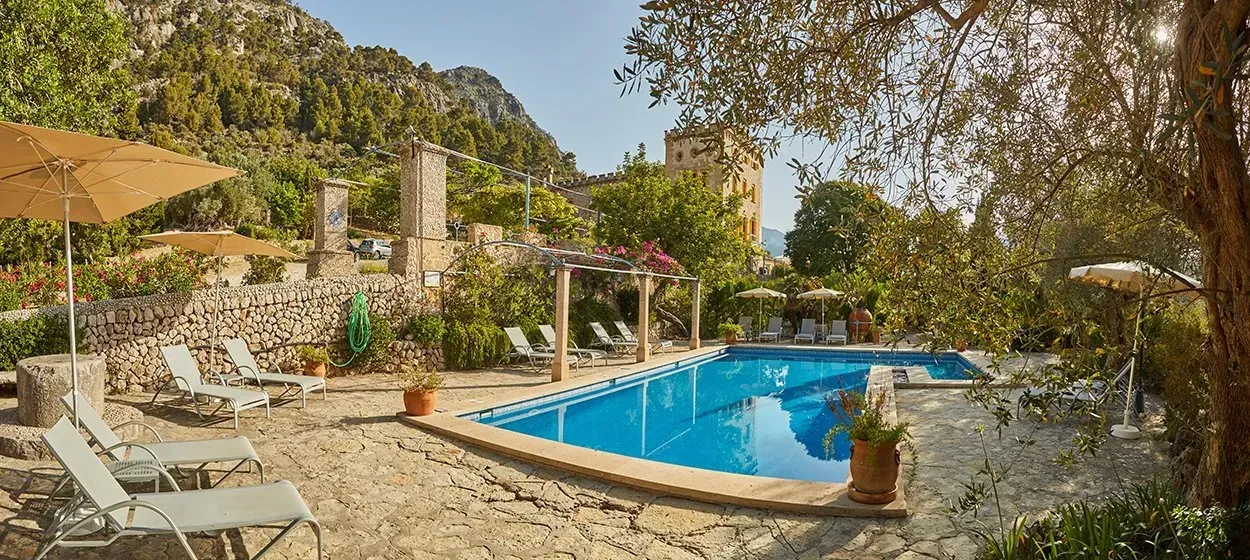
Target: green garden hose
x,y
359,329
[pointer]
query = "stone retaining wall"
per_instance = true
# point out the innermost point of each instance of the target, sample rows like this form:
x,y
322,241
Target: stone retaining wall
x,y
273,318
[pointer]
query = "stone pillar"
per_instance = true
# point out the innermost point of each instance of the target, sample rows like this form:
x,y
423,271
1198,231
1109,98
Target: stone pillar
x,y
559,365
644,318
695,340
43,380
422,206
329,256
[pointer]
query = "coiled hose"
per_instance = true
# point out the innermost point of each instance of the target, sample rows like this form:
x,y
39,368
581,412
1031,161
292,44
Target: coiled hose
x,y
359,330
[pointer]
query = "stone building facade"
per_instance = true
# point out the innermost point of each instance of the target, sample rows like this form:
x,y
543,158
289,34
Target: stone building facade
x,y
689,152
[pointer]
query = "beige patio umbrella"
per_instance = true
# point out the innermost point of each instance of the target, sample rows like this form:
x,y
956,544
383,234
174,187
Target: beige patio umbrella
x,y
761,293
1142,279
821,294
57,175
218,244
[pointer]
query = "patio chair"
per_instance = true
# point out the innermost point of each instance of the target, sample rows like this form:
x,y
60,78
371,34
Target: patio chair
x,y
1086,392
249,371
807,331
103,507
521,348
837,332
610,343
747,323
186,377
549,333
166,454
773,331
628,336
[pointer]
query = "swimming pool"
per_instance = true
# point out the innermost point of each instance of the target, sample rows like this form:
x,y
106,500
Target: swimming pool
x,y
743,410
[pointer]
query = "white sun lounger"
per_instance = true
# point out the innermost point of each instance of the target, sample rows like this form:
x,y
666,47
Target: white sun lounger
x,y
773,331
104,509
187,379
249,371
607,342
591,355
837,332
807,331
167,454
521,348
748,329
628,336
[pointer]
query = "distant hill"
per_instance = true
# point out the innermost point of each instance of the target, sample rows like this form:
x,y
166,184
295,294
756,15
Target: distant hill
x,y
774,241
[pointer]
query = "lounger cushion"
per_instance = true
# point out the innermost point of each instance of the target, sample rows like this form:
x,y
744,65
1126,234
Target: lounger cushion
x,y
305,382
219,509
200,451
242,396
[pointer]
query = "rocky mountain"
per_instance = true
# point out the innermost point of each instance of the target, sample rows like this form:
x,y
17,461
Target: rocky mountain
x,y
774,241
290,64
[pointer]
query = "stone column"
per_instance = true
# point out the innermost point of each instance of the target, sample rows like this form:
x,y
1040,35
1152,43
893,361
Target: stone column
x,y
644,318
695,340
559,365
422,206
43,380
329,256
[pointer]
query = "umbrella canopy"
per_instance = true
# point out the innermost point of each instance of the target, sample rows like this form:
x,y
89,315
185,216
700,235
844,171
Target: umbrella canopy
x,y
821,294
102,178
761,293
218,244
1139,278
57,175
1136,277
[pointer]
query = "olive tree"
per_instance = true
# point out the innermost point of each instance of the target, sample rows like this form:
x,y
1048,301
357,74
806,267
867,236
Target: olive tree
x,y
1030,101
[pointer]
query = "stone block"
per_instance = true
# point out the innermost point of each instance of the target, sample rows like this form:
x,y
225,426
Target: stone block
x,y
43,380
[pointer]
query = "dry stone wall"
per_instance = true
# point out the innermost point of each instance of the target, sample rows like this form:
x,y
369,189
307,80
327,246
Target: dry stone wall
x,y
271,317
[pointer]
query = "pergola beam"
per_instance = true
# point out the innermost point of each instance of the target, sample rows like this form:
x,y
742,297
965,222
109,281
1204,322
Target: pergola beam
x,y
559,365
644,318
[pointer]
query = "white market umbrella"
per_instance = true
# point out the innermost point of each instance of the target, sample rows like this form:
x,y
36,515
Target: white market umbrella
x,y
51,174
1142,279
821,294
219,244
761,293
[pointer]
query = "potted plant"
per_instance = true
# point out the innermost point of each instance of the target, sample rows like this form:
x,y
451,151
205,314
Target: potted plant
x,y
315,359
875,457
420,387
731,332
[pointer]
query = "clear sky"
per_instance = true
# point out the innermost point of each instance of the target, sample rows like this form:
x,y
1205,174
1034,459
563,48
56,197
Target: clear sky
x,y
556,56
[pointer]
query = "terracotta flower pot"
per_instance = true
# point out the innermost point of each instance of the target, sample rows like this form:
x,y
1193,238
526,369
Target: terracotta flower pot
x,y
420,403
859,323
731,338
315,369
874,472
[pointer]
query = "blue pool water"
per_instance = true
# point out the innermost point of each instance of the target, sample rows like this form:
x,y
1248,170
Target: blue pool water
x,y
745,410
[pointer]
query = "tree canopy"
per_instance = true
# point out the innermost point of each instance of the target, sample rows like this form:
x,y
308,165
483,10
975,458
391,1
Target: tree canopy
x,y
684,218
832,228
1037,104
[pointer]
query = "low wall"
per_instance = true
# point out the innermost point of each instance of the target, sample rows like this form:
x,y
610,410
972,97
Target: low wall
x,y
273,318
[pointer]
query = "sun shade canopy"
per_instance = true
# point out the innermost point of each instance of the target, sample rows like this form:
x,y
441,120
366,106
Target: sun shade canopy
x,y
218,243
104,178
1135,277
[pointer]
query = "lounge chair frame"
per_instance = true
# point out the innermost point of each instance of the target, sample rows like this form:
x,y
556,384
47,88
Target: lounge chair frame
x,y
247,370
183,380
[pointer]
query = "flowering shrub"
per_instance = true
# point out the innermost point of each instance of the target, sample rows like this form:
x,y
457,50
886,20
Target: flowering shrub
x,y
648,257
43,284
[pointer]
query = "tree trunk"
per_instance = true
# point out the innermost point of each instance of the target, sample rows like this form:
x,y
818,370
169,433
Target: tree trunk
x,y
1217,209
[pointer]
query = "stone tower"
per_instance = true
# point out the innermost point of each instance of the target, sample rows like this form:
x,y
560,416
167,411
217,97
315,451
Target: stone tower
x,y
688,152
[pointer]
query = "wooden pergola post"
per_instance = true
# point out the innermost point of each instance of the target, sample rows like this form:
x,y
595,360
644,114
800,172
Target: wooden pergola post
x,y
644,317
559,365
695,341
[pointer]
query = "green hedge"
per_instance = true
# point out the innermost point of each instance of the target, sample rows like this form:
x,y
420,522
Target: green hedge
x,y
426,328
588,310
36,336
474,345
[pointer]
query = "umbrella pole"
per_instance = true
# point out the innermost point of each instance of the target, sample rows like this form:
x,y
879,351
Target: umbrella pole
x,y
1125,430
212,344
69,293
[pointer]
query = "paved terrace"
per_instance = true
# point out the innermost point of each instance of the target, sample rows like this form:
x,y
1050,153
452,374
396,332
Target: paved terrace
x,y
383,489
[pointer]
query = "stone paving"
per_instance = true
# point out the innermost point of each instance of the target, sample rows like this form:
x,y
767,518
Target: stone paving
x,y
382,489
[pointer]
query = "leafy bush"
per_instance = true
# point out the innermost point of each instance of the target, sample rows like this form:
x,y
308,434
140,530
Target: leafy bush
x,y
419,380
309,353
426,328
726,329
35,336
43,284
863,419
376,352
264,270
585,311
474,345
1144,521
